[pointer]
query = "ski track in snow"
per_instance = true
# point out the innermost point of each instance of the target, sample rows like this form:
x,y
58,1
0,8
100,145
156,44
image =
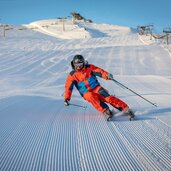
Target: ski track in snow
x,y
38,133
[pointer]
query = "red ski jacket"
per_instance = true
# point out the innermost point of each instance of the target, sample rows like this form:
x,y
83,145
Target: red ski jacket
x,y
84,80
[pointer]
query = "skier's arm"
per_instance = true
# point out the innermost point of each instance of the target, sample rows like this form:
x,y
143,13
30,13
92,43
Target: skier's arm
x,y
101,73
69,87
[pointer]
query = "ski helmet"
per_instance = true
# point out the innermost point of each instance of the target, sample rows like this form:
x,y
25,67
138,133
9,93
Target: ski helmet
x,y
78,59
78,62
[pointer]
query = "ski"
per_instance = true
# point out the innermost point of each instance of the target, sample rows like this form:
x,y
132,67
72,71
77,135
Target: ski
x,y
109,118
131,116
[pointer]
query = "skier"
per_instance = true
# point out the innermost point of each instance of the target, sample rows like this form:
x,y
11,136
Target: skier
x,y
83,76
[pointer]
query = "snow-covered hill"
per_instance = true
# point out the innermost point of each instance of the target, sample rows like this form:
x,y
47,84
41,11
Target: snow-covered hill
x,y
38,133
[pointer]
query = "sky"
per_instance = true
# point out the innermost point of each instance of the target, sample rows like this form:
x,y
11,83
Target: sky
x,y
118,12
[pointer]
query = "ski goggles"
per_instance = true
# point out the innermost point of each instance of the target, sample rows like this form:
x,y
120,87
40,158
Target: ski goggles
x,y
78,64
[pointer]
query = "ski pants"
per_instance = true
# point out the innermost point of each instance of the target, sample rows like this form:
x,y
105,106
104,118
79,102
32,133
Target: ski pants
x,y
98,96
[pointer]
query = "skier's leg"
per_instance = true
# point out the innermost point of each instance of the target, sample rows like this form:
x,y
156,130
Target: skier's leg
x,y
116,102
112,100
95,101
120,105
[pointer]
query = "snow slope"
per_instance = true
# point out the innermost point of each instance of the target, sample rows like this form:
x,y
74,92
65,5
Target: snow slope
x,y
60,28
38,133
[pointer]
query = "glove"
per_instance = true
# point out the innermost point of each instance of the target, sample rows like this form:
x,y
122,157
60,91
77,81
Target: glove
x,y
66,102
109,76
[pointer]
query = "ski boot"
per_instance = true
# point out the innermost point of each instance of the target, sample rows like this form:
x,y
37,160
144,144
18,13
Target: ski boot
x,y
130,114
109,113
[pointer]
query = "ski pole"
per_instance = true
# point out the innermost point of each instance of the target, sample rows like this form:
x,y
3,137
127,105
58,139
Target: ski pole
x,y
78,105
123,86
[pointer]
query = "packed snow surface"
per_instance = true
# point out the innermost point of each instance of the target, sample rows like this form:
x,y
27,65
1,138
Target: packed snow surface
x,y
38,133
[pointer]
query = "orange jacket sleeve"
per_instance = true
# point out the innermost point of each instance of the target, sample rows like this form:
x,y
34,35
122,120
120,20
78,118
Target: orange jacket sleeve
x,y
99,72
69,87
